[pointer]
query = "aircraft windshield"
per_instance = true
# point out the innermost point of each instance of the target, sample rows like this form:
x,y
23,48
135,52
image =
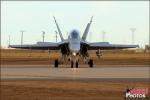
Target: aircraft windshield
x,y
74,34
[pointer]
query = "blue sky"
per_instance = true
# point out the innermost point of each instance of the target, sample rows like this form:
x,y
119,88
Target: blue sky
x,y
114,17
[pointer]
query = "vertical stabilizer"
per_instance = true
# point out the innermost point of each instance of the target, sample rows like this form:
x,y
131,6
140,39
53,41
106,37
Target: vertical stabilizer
x,y
59,31
87,29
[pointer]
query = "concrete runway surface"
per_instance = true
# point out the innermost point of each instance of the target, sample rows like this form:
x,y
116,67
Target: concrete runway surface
x,y
104,72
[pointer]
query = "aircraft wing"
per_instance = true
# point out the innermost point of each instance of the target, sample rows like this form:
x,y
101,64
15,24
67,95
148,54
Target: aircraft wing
x,y
38,46
106,46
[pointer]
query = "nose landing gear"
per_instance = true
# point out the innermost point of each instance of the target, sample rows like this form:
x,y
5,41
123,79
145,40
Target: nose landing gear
x,y
76,64
72,63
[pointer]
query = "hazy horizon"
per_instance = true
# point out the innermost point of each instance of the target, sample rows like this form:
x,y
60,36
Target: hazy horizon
x,y
114,17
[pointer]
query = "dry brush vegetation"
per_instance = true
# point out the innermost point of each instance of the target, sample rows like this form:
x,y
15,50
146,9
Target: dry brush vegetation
x,y
17,56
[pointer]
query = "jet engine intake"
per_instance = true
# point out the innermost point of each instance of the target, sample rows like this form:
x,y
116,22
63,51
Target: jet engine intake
x,y
83,49
64,49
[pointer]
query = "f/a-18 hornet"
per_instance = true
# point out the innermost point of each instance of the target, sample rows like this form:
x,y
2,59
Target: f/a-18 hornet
x,y
74,47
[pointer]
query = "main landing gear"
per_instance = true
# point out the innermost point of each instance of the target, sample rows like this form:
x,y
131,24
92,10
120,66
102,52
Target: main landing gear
x,y
90,63
56,63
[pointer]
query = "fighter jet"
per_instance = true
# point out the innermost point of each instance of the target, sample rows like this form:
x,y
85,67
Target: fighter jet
x,y
74,47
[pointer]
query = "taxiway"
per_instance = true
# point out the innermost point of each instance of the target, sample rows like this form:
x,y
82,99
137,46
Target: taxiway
x,y
103,72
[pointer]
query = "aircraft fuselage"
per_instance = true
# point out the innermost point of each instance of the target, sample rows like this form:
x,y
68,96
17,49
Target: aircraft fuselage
x,y
74,42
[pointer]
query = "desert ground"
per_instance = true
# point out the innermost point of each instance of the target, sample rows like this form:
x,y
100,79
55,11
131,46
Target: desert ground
x,y
67,89
70,89
39,57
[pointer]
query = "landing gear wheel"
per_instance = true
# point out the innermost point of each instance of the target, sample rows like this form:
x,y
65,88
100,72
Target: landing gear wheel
x,y
71,64
76,64
90,63
56,63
